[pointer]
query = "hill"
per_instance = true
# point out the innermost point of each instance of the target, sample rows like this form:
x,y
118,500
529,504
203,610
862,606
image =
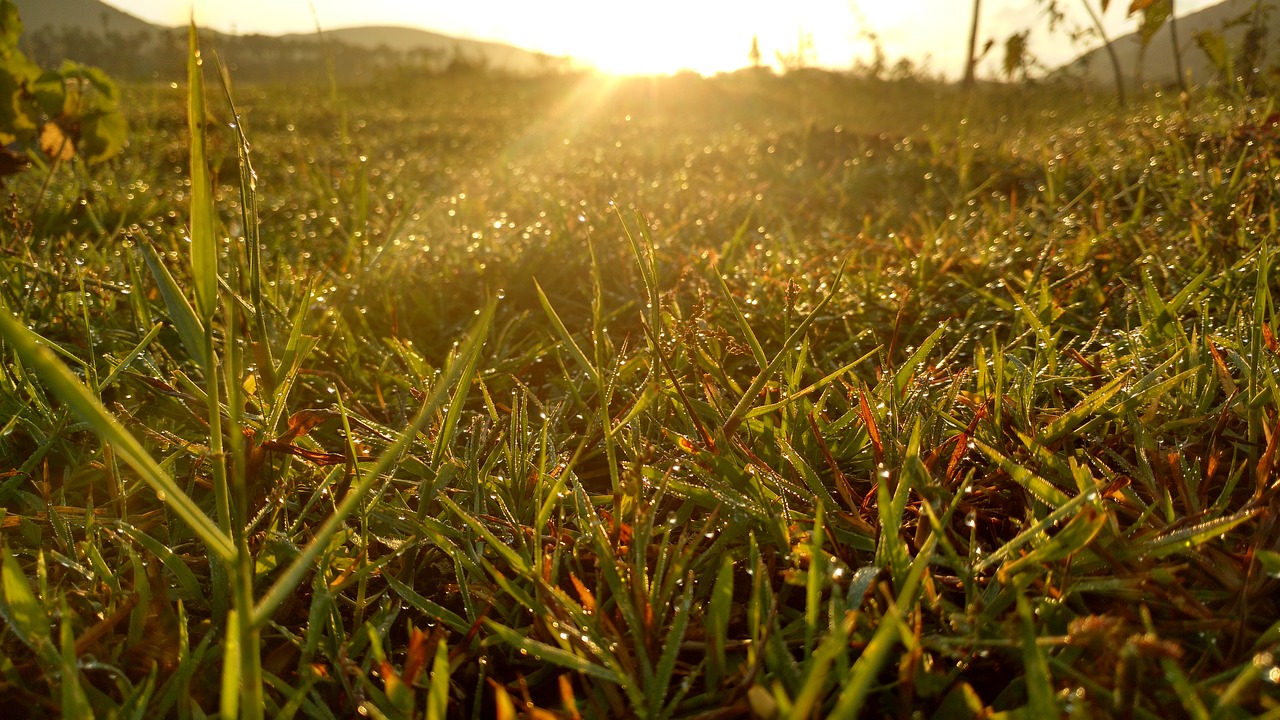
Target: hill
x,y
1157,64
87,15
93,32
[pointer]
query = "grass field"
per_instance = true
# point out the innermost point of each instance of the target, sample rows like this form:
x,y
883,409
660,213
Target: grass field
x,y
752,396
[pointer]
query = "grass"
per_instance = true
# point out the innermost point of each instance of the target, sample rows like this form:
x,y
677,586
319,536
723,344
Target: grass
x,y
784,397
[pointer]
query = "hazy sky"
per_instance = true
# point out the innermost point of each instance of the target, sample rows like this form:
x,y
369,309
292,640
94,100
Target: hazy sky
x,y
666,35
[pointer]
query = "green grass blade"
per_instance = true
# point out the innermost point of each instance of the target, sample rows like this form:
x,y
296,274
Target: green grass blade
x,y
438,698
204,242
853,695
744,404
23,612
563,333
541,651
305,562
75,704
66,387
188,585
817,676
672,640
231,664
908,369
190,328
757,350
429,607
1035,666
718,609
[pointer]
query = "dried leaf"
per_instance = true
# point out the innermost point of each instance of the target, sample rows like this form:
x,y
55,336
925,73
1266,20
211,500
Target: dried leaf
x,y
303,422
584,594
314,456
416,657
864,409
1268,461
55,144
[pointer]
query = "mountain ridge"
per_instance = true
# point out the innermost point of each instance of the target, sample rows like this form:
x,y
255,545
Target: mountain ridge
x,y
1157,64
96,33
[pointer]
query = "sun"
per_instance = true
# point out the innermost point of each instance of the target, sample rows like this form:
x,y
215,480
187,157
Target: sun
x,y
655,37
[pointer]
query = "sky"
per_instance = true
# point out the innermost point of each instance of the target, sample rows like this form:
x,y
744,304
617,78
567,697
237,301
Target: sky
x,y
662,36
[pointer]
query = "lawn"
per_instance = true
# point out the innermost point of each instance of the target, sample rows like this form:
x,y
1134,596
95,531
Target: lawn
x,y
752,396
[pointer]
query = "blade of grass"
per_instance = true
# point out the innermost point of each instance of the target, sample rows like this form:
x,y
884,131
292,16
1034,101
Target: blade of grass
x,y
88,408
305,562
190,328
744,404
204,244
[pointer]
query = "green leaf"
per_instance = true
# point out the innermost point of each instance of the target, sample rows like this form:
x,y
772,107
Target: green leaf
x,y
1040,702
541,651
190,328
565,337
188,585
103,136
68,388
718,611
231,650
75,704
1189,538
10,26
438,699
1073,538
917,358
305,562
24,615
753,391
432,609
204,244
1270,562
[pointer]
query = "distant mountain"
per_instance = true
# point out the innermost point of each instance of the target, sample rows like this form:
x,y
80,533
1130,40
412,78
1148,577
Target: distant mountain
x,y
1158,66
408,40
90,15
95,33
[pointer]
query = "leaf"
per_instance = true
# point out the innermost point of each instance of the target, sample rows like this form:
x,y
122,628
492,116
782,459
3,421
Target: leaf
x,y
1268,460
565,337
304,563
204,247
1155,13
75,704
740,410
103,135
1270,562
1214,45
55,144
437,612
24,615
68,388
1077,535
303,422
718,611
10,25
1188,538
231,665
438,700
1035,663
189,327
543,652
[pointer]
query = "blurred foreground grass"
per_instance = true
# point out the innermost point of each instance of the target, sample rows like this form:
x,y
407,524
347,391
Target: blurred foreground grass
x,y
797,397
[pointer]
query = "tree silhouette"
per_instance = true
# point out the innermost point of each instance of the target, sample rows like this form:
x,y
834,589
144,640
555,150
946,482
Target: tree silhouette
x,y
971,58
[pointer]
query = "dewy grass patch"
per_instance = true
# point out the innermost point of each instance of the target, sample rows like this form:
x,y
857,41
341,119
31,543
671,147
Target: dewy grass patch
x,y
667,398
